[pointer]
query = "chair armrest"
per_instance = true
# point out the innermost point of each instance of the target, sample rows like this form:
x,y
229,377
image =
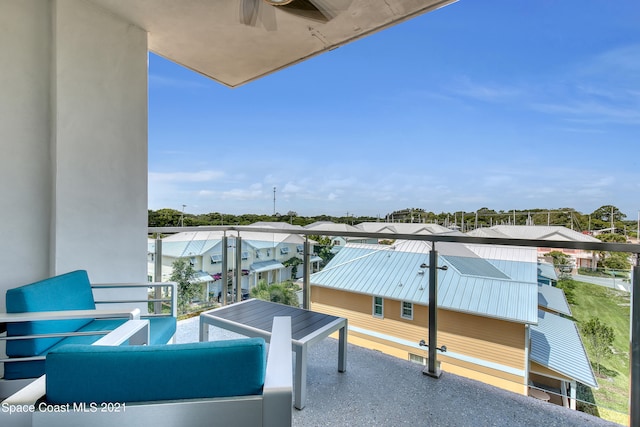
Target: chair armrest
x,y
67,315
158,285
137,331
278,382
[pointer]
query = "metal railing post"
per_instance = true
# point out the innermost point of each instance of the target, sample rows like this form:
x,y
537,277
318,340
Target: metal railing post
x,y
306,290
225,280
432,363
238,268
432,367
157,275
634,354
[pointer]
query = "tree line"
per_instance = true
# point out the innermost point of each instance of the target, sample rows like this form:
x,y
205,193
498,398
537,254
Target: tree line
x,y
606,217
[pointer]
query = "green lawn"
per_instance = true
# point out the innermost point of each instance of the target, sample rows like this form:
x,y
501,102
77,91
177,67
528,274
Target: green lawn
x,y
612,307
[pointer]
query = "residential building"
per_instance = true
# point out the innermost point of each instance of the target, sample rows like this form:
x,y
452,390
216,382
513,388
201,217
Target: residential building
x,y
488,309
338,239
401,228
264,257
580,258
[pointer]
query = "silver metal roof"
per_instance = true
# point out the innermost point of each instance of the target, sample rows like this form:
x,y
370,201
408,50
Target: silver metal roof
x,y
402,228
547,270
261,266
177,249
514,261
553,298
534,232
394,272
556,344
193,243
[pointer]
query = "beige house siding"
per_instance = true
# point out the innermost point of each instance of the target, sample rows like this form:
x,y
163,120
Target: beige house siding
x,y
547,373
497,345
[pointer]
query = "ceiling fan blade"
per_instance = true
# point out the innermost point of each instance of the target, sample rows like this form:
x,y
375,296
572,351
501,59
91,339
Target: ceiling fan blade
x,y
249,12
308,9
267,15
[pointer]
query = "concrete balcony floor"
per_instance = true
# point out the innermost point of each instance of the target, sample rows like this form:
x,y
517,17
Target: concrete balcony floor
x,y
381,390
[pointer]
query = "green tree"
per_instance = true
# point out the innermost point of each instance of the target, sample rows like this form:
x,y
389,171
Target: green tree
x,y
604,213
283,293
293,262
599,337
560,259
183,274
323,248
613,260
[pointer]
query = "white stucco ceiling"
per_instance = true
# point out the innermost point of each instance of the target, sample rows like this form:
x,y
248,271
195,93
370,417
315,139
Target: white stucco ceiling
x,y
211,37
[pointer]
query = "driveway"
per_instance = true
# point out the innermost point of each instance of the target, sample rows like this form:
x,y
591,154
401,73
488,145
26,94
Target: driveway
x,y
616,283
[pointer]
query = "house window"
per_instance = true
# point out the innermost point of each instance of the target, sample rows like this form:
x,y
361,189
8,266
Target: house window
x,y
300,249
378,307
284,250
268,253
245,255
216,259
407,310
192,261
258,254
415,358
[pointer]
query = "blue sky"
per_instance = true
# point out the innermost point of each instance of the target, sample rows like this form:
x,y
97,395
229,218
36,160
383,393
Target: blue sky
x,y
505,104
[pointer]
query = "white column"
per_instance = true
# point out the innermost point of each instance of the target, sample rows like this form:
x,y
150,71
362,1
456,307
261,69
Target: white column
x,y
73,134
574,395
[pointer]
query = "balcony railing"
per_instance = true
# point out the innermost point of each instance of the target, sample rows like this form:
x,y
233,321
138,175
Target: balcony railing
x,y
236,232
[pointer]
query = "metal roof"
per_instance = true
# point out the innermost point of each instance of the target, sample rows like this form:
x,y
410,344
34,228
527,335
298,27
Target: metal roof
x,y
533,232
556,344
193,243
261,266
178,249
332,226
547,270
515,261
402,228
553,298
394,272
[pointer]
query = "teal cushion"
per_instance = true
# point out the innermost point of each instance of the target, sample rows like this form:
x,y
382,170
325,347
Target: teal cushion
x,y
71,291
161,329
97,374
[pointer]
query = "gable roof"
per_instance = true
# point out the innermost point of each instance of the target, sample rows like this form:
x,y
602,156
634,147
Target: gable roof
x,y
470,284
194,243
533,232
331,226
402,228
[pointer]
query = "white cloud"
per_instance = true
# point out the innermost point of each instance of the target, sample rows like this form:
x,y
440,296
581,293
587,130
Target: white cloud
x,y
184,177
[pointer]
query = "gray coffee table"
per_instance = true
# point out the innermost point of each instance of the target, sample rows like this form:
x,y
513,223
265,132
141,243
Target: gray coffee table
x,y
253,318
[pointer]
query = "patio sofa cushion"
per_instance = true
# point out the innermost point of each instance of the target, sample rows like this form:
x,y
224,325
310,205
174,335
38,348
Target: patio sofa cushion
x,y
97,374
161,329
70,291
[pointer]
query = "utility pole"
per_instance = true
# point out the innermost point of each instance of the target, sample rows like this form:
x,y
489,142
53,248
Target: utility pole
x,y
612,226
274,201
182,216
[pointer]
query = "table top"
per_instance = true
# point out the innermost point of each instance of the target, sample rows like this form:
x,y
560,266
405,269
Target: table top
x,y
539,394
259,314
